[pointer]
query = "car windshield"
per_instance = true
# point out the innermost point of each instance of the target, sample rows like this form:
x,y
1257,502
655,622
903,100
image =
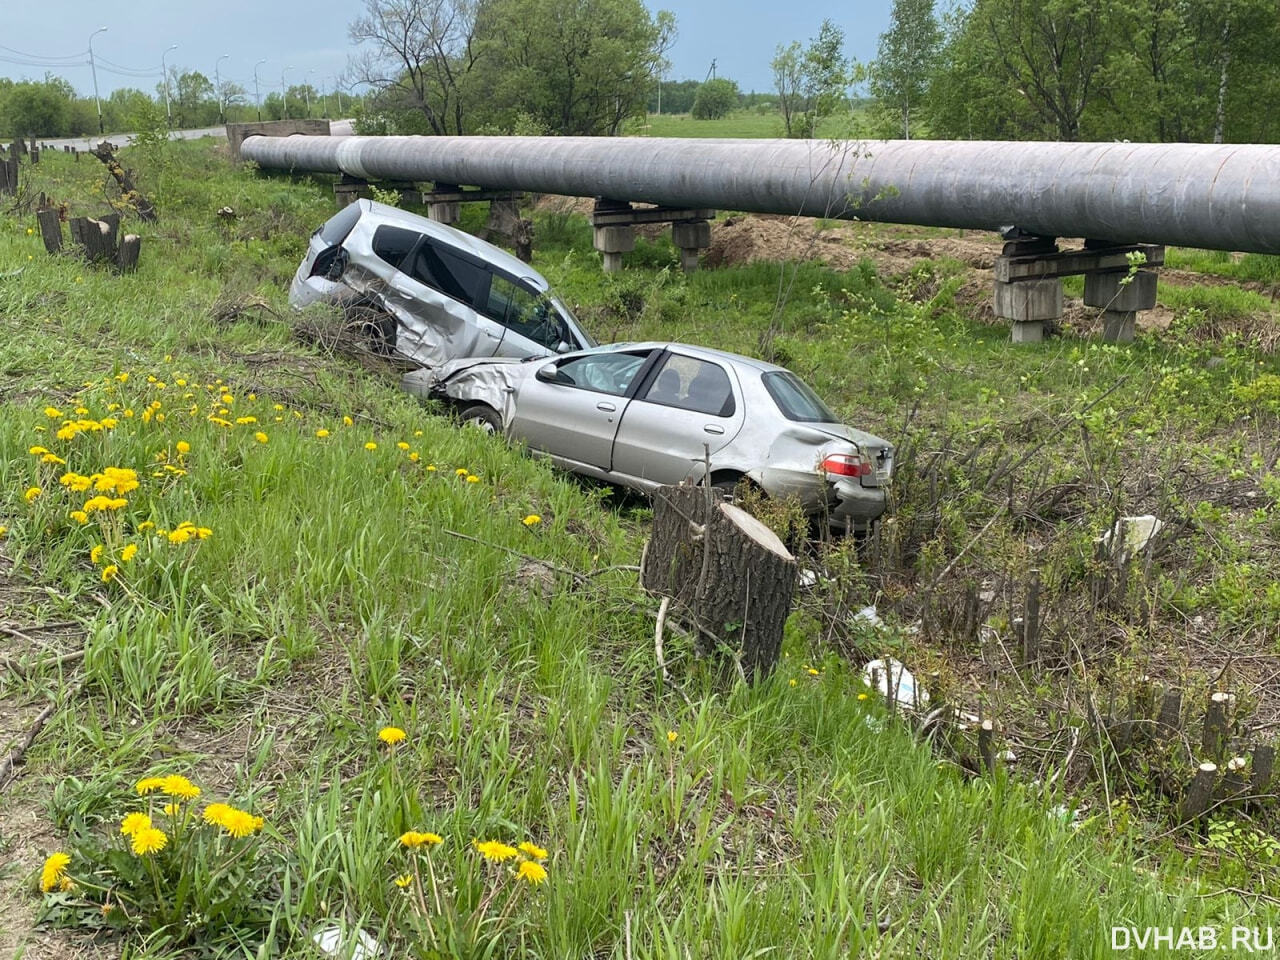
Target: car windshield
x,y
796,400
575,328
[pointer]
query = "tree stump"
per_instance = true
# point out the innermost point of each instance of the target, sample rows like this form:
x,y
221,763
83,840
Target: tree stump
x,y
1199,792
9,175
1214,736
50,221
728,575
127,255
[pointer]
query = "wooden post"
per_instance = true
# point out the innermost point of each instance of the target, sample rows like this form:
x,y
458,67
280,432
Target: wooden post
x,y
127,256
50,229
987,745
729,575
1264,758
1169,720
9,175
1214,738
1199,792
1031,620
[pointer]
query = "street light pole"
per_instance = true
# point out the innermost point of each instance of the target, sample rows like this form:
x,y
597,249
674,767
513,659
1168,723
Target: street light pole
x,y
93,67
217,87
257,98
306,90
284,92
164,69
337,88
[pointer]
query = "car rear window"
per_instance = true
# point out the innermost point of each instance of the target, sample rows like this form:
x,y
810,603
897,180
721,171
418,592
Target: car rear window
x,y
339,226
796,400
393,244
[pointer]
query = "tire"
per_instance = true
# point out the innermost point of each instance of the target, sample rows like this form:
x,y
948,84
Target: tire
x,y
483,416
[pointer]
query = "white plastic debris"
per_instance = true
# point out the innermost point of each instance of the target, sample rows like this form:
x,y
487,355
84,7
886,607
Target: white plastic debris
x,y
868,616
1008,756
344,944
1137,534
897,677
808,578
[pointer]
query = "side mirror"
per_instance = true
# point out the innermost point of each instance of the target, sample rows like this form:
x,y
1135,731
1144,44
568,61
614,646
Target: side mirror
x,y
563,347
549,373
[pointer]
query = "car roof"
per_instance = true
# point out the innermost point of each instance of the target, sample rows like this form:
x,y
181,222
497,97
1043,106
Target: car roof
x,y
454,238
702,353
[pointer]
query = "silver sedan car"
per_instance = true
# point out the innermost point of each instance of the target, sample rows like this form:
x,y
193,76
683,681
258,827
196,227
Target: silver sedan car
x,y
642,415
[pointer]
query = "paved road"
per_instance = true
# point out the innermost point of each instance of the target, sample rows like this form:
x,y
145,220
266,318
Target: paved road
x,y
339,128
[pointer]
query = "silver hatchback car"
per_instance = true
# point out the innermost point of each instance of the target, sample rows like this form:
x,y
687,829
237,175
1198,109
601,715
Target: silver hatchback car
x,y
432,293
642,415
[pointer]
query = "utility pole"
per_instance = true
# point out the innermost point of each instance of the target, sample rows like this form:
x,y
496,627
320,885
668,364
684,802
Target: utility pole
x,y
257,97
338,90
217,86
284,93
168,111
94,68
306,90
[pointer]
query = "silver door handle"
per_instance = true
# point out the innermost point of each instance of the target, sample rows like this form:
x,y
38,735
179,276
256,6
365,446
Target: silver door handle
x,y
713,428
606,406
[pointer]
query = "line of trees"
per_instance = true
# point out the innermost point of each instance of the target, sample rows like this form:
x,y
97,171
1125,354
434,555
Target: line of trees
x,y
1164,70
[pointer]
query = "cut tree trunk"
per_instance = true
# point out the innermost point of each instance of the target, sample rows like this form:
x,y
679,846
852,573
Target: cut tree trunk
x,y
124,179
50,221
729,576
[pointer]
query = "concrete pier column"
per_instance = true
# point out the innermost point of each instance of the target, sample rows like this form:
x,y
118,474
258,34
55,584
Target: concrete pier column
x,y
1027,304
613,242
1120,295
692,237
444,211
347,190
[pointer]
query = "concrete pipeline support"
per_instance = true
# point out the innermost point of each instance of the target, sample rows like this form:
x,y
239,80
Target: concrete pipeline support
x,y
1115,195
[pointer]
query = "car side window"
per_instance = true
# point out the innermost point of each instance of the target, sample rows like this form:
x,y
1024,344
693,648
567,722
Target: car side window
x,y
691,384
523,311
438,268
610,373
393,244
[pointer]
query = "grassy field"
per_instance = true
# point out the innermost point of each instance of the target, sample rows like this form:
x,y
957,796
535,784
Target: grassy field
x,y
319,596
755,123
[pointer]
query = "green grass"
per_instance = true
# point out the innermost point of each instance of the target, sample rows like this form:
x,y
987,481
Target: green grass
x,y
761,122
789,819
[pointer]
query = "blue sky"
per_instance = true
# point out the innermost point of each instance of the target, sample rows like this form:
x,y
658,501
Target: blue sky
x,y
311,35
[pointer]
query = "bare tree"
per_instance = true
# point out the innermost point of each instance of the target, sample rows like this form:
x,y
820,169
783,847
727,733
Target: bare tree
x,y
418,56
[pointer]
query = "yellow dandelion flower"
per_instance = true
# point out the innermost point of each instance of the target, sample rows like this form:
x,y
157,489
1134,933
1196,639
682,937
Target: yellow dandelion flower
x,y
96,554
54,459
792,682
402,445
672,736
133,823
532,520
180,787
322,433
371,445
246,420
53,413
414,457
184,447
417,433
3,531
533,850
216,813
37,451
391,735
172,809
228,399
413,839
32,493
347,421
54,871
129,552
148,841
403,880
461,472
260,437
149,785
495,851
431,468
532,872
472,478
80,517
109,572
813,672
145,525
239,823
862,696
278,407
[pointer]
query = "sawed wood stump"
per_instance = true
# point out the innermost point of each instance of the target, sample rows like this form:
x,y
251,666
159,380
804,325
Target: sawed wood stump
x,y
728,575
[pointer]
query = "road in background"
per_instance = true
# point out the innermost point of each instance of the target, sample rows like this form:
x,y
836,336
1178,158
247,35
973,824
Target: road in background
x,y
338,128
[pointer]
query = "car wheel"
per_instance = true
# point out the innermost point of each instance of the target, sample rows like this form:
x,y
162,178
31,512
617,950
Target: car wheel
x,y
732,487
483,416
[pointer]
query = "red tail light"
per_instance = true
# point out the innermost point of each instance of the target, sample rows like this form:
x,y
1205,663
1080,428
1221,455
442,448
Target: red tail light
x,y
847,465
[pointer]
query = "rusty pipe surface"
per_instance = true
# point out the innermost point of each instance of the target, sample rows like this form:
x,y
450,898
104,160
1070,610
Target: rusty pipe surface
x,y
1217,196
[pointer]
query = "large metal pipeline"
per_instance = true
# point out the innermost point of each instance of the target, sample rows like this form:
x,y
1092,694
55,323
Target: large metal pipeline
x,y
1218,196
